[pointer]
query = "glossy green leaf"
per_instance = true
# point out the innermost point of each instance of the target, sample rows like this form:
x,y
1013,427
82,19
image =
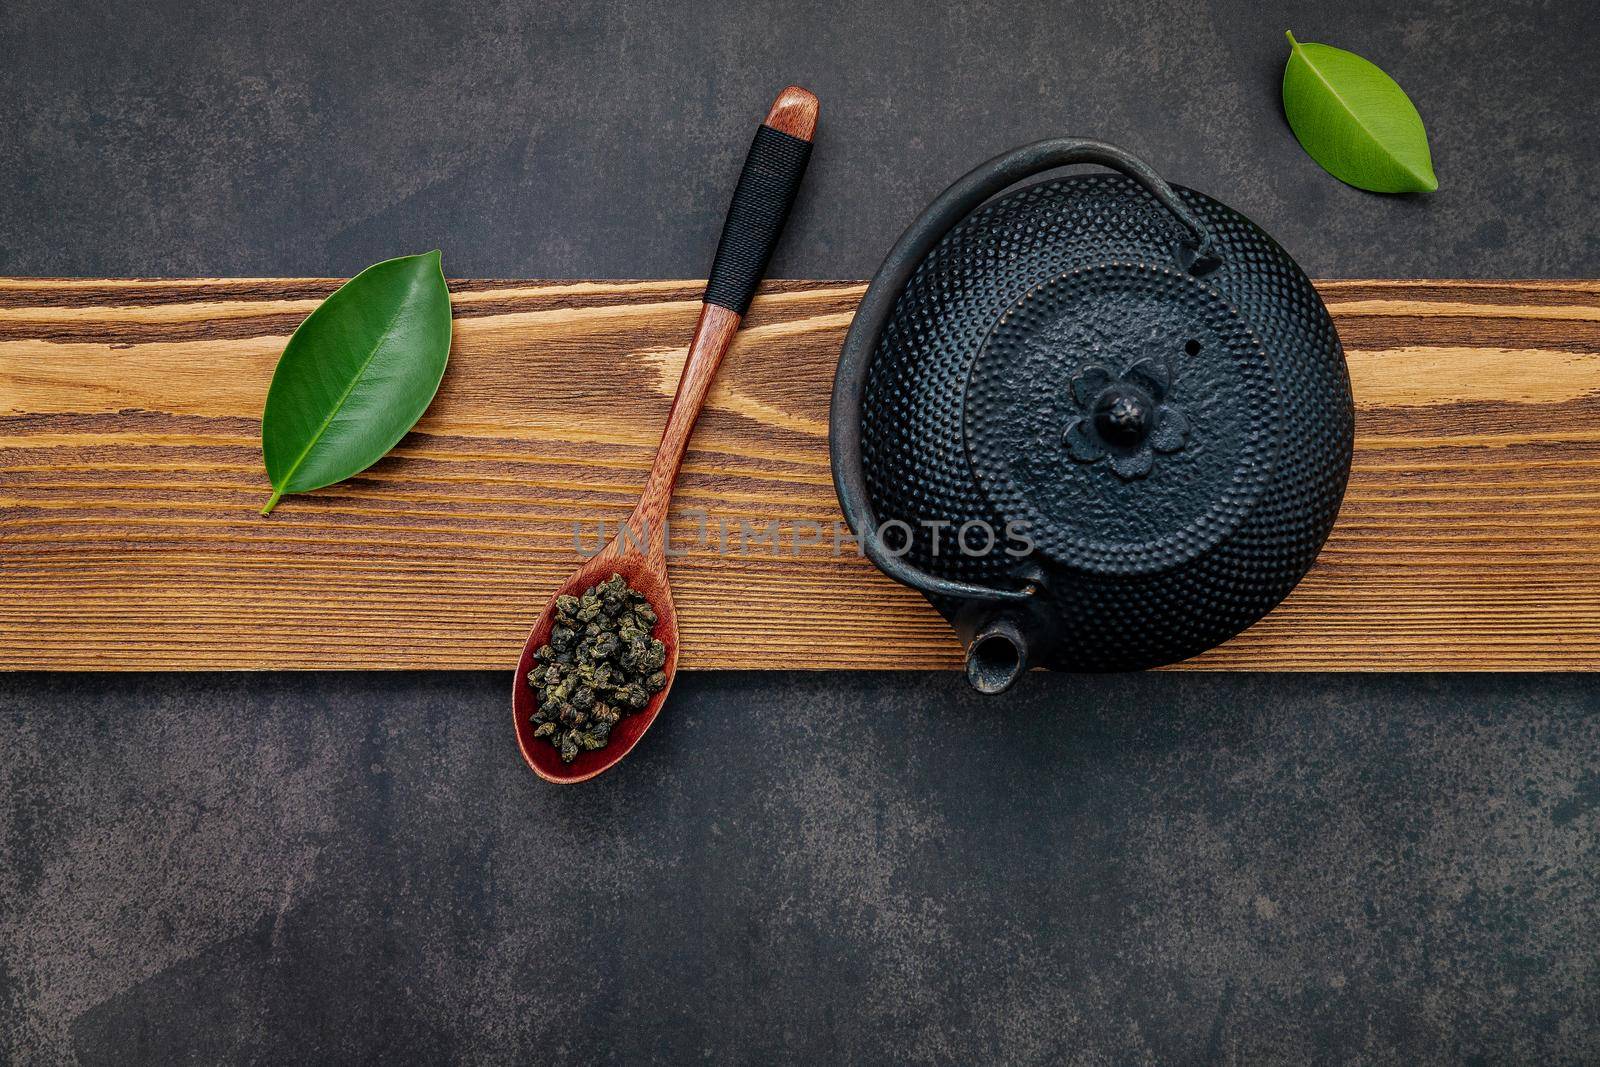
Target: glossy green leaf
x,y
356,375
1355,121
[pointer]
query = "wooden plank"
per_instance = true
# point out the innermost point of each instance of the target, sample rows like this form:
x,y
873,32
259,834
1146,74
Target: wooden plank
x,y
130,477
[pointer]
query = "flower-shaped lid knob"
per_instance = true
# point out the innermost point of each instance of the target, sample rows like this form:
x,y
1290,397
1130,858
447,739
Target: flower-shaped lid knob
x,y
1126,417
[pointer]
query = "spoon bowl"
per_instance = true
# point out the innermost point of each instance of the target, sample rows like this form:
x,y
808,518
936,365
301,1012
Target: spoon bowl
x,y
643,573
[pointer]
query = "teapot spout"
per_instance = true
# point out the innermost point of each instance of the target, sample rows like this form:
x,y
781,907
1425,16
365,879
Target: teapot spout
x,y
997,654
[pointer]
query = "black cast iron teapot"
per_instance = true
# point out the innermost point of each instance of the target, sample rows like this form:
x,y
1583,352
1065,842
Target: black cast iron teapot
x,y
1102,422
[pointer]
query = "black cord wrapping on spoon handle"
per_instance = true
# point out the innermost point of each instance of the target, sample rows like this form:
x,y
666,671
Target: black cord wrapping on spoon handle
x,y
761,202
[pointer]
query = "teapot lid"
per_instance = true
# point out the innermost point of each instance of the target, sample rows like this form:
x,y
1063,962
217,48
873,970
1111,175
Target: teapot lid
x,y
1125,413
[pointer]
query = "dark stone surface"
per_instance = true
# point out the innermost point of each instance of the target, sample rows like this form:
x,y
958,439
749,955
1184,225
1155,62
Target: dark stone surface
x,y
1127,869
806,867
573,139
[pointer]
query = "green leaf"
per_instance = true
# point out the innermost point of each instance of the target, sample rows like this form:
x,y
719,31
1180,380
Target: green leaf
x,y
357,374
1355,121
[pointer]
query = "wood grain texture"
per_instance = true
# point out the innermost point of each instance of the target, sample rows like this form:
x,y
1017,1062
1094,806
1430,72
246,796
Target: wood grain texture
x,y
130,475
794,113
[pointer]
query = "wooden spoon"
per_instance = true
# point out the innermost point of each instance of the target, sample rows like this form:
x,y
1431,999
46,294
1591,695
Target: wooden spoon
x,y
766,189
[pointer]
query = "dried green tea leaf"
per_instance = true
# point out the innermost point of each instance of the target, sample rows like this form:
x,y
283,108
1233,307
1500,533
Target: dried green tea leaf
x,y
600,664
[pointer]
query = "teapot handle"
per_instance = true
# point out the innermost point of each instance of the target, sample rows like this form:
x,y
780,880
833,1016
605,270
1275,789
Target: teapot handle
x,y
872,316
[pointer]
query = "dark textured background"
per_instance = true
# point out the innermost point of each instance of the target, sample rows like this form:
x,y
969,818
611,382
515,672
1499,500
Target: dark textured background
x,y
808,867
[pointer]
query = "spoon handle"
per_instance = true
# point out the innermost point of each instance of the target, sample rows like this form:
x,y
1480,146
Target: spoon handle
x,y
761,202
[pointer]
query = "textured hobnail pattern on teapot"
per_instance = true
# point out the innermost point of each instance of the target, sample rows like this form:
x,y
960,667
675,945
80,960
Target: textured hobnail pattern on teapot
x,y
912,410
1152,331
